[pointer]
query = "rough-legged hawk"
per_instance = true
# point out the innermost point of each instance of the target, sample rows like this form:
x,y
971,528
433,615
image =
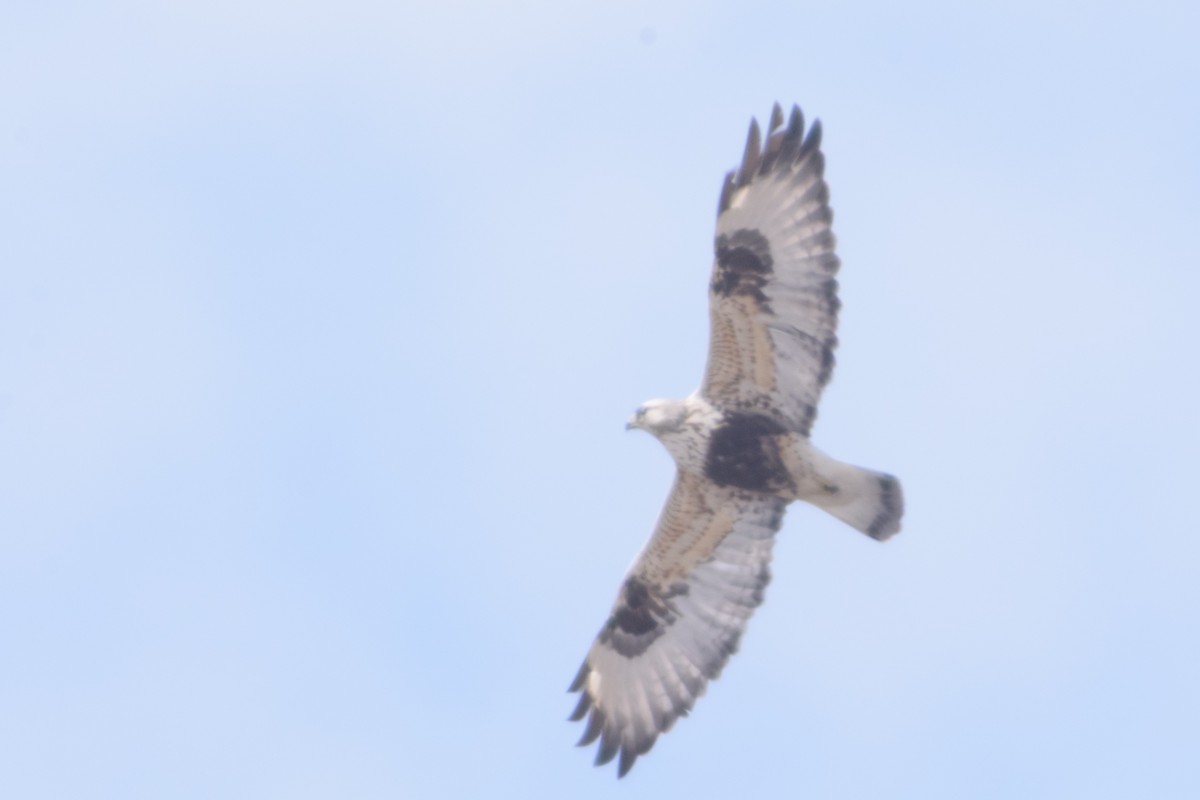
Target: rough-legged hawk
x,y
741,446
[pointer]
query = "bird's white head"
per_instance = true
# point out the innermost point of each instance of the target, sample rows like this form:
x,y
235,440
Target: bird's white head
x,y
659,417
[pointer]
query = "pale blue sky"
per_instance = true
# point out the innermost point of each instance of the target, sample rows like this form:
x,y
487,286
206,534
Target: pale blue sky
x,y
319,325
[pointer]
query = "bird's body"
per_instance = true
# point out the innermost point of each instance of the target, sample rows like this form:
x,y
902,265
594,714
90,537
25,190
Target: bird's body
x,y
754,452
742,451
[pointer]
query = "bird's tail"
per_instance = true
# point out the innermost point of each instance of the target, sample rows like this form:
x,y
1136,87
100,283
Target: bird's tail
x,y
869,501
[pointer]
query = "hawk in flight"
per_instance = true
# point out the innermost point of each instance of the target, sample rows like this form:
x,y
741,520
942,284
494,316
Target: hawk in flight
x,y
741,448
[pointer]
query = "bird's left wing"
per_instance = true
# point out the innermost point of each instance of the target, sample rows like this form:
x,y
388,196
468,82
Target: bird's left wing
x,y
773,297
679,615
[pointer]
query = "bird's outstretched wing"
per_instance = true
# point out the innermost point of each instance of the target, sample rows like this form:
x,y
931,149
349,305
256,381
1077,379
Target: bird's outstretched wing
x,y
678,617
773,296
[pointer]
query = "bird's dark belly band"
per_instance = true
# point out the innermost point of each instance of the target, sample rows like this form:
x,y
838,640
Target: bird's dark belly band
x,y
744,452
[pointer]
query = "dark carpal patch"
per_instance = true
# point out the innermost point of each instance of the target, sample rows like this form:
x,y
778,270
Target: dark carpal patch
x,y
744,452
744,264
643,615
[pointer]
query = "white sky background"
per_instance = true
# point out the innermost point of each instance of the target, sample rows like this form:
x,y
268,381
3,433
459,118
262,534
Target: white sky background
x,y
319,324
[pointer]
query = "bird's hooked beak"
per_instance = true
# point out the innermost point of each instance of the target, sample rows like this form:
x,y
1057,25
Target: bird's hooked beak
x,y
636,420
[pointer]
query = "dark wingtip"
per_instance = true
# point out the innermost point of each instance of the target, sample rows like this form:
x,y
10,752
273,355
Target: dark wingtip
x,y
610,743
813,140
751,155
626,762
585,702
796,117
776,118
726,193
774,141
580,677
793,137
595,725
785,143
